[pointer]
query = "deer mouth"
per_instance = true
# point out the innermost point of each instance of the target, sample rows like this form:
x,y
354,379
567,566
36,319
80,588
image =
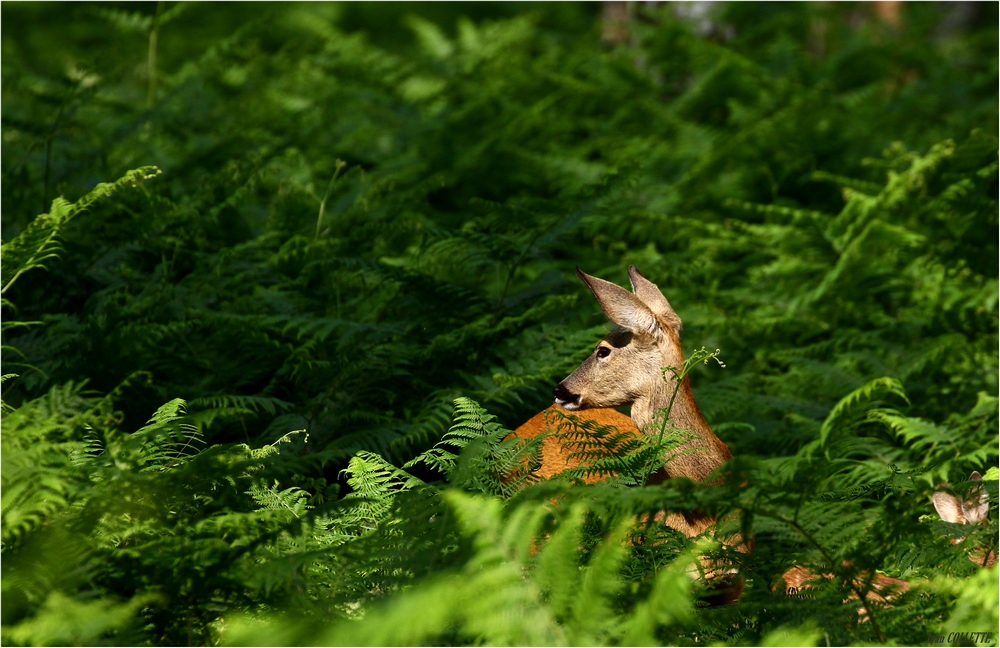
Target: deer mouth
x,y
565,398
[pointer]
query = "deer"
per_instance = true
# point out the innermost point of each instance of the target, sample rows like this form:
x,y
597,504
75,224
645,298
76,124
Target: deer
x,y
950,508
626,369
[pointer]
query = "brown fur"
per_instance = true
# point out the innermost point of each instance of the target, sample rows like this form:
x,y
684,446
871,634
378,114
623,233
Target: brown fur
x,y
556,459
555,455
883,587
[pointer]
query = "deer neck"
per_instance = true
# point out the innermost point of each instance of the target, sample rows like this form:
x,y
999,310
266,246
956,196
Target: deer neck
x,y
707,451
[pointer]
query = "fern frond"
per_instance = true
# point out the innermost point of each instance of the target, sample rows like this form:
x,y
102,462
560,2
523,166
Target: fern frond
x,y
375,482
270,498
846,411
38,243
472,424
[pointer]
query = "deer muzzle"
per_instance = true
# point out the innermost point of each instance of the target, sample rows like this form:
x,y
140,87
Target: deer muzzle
x,y
565,397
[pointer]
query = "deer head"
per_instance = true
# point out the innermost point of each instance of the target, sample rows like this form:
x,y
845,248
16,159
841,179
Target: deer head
x,y
625,367
952,508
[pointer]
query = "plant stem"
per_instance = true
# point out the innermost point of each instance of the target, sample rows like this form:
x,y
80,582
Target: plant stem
x,y
329,189
154,34
48,150
701,355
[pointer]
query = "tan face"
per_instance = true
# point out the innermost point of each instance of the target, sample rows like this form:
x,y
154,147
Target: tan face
x,y
627,364
617,372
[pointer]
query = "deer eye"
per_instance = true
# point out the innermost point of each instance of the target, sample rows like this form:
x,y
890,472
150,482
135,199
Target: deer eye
x,y
603,352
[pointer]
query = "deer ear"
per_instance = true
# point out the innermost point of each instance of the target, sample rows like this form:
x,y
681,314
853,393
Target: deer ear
x,y
948,507
622,307
976,508
653,298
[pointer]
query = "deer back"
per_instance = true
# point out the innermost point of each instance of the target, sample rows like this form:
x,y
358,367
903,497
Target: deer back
x,y
555,455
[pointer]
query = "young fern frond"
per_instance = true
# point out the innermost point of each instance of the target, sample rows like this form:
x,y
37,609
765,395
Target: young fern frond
x,y
432,422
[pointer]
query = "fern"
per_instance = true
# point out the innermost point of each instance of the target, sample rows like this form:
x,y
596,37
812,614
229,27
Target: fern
x,y
374,482
38,243
492,463
63,620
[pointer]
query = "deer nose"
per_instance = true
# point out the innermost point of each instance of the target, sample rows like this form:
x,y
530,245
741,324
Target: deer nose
x,y
564,397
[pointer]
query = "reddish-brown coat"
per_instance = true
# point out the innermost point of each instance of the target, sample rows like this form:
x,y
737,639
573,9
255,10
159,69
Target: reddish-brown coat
x,y
555,458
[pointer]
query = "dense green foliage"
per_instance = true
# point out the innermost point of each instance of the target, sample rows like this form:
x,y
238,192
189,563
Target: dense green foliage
x,y
343,256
